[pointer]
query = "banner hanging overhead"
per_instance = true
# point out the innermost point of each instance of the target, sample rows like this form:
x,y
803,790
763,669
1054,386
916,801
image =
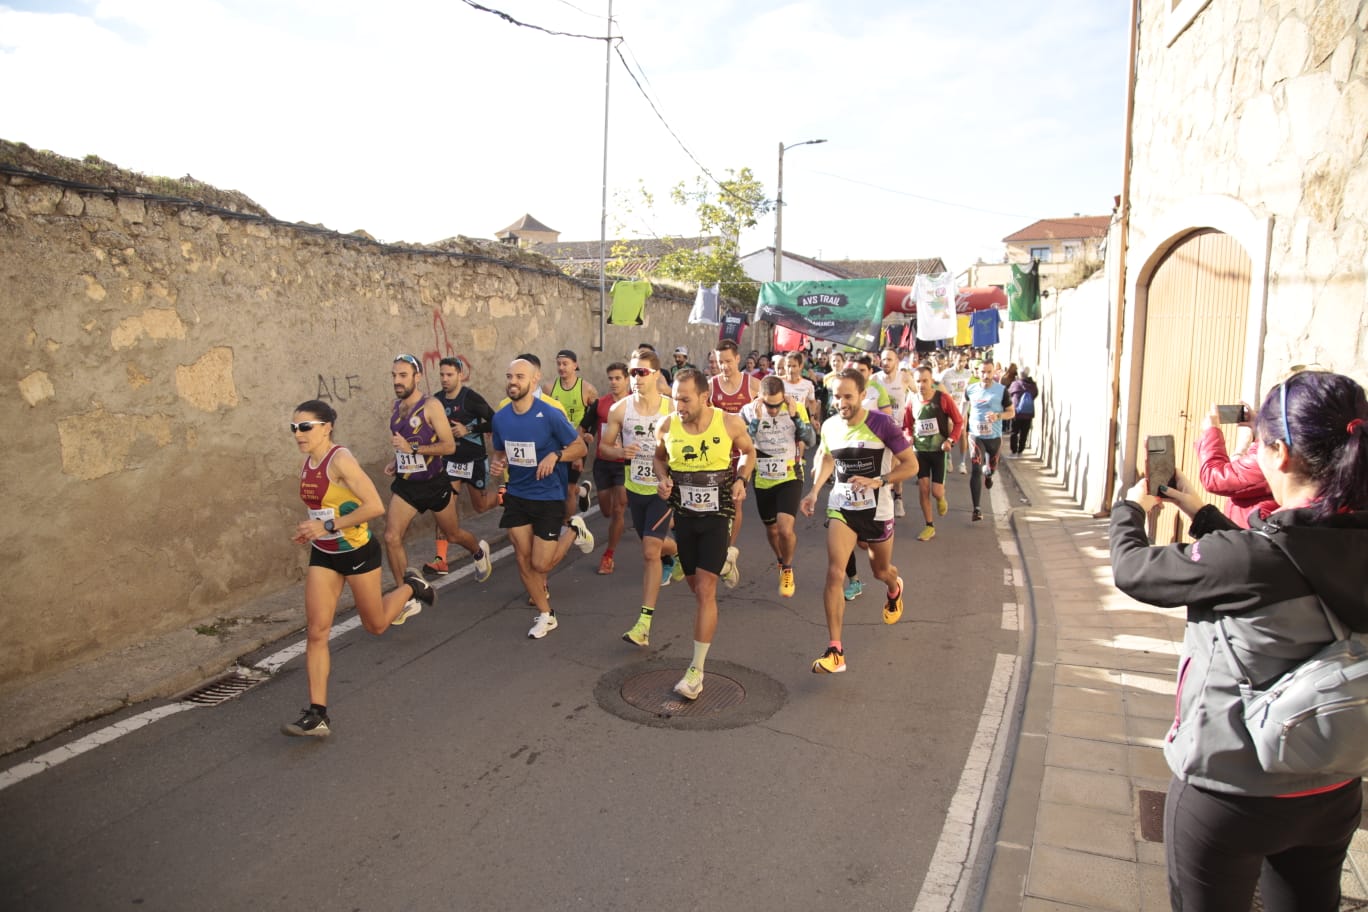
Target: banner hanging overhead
x,y
845,311
1023,294
935,296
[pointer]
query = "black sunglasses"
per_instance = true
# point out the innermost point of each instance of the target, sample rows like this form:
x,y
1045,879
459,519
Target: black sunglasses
x,y
304,426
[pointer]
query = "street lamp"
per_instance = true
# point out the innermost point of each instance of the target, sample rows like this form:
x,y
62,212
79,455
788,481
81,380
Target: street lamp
x,y
779,208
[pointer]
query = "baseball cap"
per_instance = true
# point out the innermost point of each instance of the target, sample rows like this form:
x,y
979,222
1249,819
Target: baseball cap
x,y
681,350
567,353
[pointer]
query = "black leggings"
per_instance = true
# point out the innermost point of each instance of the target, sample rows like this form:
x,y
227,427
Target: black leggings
x,y
1021,432
985,448
1219,846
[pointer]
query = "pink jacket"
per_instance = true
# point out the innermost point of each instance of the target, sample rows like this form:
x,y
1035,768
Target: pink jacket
x,y
1239,479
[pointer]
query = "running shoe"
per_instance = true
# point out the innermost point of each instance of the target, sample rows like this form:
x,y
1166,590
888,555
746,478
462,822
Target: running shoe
x,y
831,662
436,567
605,564
893,606
544,624
786,582
667,567
853,589
586,491
731,573
411,607
691,685
964,469
640,633
987,479
312,724
942,505
677,573
584,539
503,489
484,565
928,533
898,509
423,591
978,514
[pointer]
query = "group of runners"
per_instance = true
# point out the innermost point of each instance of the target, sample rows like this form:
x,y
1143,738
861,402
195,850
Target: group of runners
x,y
676,450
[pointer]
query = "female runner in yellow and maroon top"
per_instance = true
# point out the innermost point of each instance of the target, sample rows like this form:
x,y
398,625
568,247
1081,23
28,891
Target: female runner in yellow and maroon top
x,y
341,500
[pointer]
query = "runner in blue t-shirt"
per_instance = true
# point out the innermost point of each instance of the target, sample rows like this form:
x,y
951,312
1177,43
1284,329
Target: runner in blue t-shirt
x,y
534,441
989,406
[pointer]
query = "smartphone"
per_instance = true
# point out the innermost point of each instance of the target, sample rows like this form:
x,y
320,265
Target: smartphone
x,y
1232,414
1160,468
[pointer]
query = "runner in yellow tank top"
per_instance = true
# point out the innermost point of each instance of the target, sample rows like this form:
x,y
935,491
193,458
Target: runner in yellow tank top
x,y
575,396
692,461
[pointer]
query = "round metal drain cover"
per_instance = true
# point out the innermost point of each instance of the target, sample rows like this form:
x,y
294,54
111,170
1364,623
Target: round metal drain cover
x,y
733,695
653,691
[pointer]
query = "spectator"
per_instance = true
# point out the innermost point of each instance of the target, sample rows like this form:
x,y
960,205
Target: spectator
x,y
1025,396
1239,479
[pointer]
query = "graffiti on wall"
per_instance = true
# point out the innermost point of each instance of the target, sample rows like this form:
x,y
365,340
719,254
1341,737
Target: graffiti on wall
x,y
338,389
441,348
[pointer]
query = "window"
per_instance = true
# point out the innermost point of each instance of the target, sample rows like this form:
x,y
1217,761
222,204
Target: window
x,y
1072,252
1040,253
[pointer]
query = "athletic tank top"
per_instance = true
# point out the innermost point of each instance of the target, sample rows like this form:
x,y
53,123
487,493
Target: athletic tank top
x,y
417,432
640,429
928,423
572,399
701,468
327,499
731,402
601,409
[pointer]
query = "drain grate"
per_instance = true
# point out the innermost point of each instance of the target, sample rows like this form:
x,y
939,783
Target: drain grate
x,y
653,691
224,687
1152,815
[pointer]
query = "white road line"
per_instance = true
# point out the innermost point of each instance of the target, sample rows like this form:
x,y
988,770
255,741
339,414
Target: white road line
x,y
47,761
1010,620
1008,577
947,882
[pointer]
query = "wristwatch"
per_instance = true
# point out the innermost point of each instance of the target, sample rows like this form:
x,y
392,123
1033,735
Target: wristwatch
x,y
329,525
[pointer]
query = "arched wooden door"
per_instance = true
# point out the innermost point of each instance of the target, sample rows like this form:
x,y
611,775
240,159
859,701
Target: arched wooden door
x,y
1195,330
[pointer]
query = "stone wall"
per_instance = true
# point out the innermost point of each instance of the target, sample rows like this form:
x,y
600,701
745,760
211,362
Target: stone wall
x,y
1252,121
156,350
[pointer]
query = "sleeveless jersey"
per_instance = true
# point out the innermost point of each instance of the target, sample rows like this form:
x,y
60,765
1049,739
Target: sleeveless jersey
x,y
640,429
601,409
571,399
413,428
730,402
701,468
925,422
776,441
328,499
865,450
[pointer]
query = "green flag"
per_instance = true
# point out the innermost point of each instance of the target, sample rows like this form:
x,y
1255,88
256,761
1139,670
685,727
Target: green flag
x,y
846,311
1023,294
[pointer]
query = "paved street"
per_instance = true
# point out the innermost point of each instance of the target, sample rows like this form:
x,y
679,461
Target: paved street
x,y
472,768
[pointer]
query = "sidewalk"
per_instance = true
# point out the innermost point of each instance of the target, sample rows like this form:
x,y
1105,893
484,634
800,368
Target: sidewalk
x,y
1082,825
180,660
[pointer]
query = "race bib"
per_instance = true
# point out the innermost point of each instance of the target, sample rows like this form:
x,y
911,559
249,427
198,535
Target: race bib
x,y
407,463
845,497
643,471
462,470
985,428
772,468
700,498
926,427
521,453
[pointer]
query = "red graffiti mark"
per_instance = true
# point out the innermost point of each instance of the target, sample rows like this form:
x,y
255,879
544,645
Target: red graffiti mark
x,y
442,348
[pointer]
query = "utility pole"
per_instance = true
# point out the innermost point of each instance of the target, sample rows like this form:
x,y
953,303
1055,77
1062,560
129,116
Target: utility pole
x,y
603,211
779,209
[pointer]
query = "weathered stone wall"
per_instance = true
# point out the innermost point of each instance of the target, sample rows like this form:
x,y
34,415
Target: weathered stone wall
x,y
1254,121
156,350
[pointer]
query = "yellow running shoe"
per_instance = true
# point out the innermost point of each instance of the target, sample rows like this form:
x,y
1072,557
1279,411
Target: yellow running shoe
x,y
894,605
928,533
640,633
831,662
942,505
786,582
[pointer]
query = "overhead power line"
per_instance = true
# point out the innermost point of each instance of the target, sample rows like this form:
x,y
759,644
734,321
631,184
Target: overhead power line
x,y
507,18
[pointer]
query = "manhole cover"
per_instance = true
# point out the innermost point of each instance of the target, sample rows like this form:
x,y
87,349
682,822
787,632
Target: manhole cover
x,y
733,695
653,691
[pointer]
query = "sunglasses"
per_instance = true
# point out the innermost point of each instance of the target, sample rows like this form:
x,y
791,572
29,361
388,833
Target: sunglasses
x,y
411,360
774,406
304,426
641,372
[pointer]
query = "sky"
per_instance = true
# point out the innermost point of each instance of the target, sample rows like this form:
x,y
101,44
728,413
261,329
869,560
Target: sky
x,y
947,125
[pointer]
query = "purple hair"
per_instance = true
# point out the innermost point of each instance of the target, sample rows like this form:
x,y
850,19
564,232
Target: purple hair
x,y
1322,418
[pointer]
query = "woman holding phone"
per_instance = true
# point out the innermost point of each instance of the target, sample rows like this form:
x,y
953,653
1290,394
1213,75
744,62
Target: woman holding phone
x,y
1229,824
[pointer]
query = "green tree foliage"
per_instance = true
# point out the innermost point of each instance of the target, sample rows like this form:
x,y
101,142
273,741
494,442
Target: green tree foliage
x,y
724,208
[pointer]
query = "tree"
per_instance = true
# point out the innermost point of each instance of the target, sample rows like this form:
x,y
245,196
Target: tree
x,y
724,208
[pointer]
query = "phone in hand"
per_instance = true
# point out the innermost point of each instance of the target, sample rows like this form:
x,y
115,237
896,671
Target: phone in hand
x,y
1232,414
1160,467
